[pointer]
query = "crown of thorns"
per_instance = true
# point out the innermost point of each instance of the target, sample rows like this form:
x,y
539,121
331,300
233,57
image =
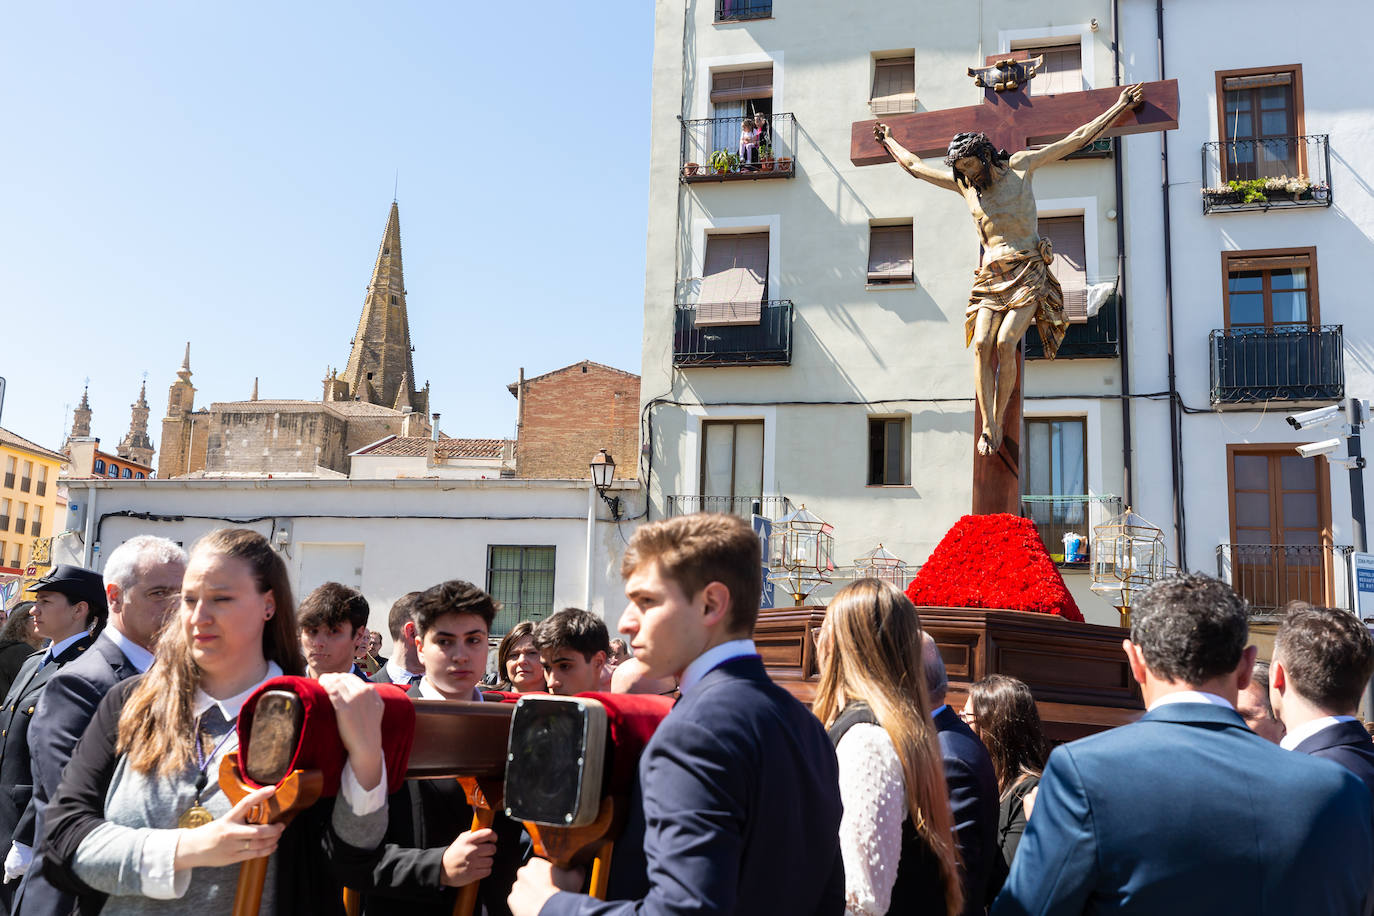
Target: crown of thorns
x,y
974,143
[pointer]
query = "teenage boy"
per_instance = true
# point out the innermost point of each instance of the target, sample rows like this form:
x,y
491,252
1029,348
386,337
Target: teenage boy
x,y
429,849
332,619
573,646
403,667
738,796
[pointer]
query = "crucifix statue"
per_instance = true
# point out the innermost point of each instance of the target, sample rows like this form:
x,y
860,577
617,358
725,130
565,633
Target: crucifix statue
x,y
1013,286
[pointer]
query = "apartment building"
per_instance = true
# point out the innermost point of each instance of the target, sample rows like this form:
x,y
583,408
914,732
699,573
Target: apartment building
x,y
28,501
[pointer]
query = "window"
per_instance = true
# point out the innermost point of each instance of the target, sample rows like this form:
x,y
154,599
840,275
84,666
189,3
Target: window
x,y
889,255
1261,114
140,476
731,463
1062,70
36,528
735,94
1275,289
3,551
9,471
4,518
21,510
26,480
42,487
1069,268
734,279
393,300
1280,522
126,473
17,558
99,466
886,451
894,85
732,10
1057,479
521,578
113,470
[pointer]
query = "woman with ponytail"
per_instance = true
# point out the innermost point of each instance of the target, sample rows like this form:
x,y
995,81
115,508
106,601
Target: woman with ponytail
x,y
896,835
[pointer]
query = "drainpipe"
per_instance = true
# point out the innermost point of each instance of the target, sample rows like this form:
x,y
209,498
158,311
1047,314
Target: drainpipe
x,y
1127,481
591,531
89,548
1175,415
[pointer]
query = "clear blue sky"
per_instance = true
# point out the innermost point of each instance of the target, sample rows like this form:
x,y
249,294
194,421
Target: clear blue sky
x,y
221,173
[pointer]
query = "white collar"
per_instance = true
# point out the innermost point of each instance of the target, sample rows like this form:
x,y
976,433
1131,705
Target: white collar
x,y
399,674
230,706
138,656
712,659
429,692
57,648
1308,729
1191,696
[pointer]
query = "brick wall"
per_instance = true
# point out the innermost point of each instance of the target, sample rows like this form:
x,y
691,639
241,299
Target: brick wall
x,y
570,413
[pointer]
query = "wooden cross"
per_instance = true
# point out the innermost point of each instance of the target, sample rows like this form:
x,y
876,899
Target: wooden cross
x,y
1013,120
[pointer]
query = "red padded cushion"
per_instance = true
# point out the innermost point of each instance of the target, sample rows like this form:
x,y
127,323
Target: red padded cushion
x,y
499,696
631,719
320,747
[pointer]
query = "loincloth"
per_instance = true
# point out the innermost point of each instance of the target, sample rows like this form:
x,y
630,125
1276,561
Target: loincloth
x,y
1018,281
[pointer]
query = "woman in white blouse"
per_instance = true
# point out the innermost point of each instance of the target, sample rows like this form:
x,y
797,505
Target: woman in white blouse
x,y
896,835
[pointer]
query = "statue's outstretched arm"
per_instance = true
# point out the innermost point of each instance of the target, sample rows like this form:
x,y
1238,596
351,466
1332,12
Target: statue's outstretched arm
x,y
907,160
1028,160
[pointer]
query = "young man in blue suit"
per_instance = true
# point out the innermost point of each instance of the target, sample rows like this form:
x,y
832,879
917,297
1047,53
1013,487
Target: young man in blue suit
x,y
1187,811
739,786
1322,661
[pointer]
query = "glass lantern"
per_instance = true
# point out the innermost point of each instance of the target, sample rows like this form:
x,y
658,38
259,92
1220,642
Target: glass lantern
x,y
881,563
801,553
1127,556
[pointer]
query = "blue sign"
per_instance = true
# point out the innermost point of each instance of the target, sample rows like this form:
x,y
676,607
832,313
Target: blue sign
x,y
763,527
1363,564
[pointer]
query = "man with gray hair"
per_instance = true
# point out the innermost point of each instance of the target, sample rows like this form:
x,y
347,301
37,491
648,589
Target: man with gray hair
x,y
972,784
143,585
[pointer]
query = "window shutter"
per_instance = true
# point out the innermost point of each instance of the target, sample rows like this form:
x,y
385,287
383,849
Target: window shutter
x,y
1066,236
737,85
1062,70
889,254
894,86
1278,262
735,279
1257,81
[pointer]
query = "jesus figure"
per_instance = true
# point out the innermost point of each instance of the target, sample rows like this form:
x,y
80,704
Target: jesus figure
x,y
1013,285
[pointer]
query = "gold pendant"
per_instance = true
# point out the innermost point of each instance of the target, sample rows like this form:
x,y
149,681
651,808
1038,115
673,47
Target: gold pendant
x,y
195,816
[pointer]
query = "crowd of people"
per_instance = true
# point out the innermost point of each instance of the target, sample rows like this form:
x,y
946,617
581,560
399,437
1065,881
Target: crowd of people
x,y
1244,786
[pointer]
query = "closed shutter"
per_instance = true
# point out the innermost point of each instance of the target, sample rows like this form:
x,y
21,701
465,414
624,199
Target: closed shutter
x,y
1069,267
734,279
889,254
1062,70
894,86
739,85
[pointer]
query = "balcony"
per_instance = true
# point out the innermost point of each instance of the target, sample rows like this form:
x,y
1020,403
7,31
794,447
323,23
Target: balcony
x,y
741,10
743,506
1056,516
1268,576
1096,338
25,484
768,343
710,151
41,488
19,526
1295,363
9,481
1266,174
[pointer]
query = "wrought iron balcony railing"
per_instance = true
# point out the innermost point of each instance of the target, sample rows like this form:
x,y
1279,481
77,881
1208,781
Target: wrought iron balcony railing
x,y
1269,576
1267,173
711,150
744,506
768,343
736,10
1096,338
1057,516
1295,363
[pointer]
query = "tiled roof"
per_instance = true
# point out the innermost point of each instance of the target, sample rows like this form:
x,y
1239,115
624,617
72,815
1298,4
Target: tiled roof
x,y
586,362
16,441
418,447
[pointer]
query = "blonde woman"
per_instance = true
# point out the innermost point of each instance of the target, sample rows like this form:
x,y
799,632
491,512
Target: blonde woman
x,y
139,818
896,836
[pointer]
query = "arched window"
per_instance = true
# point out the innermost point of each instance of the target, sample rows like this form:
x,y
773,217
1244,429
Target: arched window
x,y
140,476
126,474
99,466
114,470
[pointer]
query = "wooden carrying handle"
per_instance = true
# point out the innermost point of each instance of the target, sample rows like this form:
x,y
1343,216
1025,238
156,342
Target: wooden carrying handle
x,y
566,847
298,791
485,797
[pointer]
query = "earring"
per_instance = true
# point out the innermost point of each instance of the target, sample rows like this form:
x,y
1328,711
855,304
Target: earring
x,y
269,615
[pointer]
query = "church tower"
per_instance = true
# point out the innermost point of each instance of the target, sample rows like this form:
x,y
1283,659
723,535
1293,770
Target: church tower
x,y
136,446
178,425
380,369
81,417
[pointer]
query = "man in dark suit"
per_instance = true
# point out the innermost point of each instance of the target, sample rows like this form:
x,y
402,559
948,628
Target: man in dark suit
x,y
1322,661
142,581
404,666
70,604
1187,811
332,620
739,786
972,784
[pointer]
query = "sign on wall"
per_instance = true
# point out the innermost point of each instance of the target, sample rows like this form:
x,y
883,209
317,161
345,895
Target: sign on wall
x,y
763,527
1363,564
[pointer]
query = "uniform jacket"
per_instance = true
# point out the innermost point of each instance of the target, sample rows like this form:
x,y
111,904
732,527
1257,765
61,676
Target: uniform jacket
x,y
1346,743
973,802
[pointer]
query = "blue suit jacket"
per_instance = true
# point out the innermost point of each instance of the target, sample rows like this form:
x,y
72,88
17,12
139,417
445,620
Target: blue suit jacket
x,y
65,709
741,806
973,802
1346,743
1186,812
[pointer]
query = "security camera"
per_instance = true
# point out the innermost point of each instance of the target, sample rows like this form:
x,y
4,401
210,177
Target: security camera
x,y
1318,417
1313,449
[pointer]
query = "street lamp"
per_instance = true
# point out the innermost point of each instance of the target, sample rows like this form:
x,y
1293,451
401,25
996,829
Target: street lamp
x,y
801,553
881,563
603,472
1127,556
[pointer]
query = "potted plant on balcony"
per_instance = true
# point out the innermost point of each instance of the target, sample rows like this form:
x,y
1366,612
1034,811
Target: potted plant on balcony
x,y
723,161
1220,196
766,157
1321,191
1285,188
691,168
783,164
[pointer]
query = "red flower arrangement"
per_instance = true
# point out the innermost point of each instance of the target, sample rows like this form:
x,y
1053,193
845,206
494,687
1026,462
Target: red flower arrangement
x,y
993,561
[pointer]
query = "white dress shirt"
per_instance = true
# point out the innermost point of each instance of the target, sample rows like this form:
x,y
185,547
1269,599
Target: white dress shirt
x,y
712,659
429,692
57,648
399,674
1308,729
1191,696
138,656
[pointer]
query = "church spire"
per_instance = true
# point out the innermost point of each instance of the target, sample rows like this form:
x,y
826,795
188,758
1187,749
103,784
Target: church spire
x,y
136,446
184,373
380,361
81,417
